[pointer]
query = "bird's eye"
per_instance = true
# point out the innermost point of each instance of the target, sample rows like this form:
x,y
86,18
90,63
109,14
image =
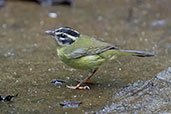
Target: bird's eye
x,y
64,39
62,35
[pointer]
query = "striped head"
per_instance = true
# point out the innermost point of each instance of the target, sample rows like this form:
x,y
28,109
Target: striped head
x,y
64,36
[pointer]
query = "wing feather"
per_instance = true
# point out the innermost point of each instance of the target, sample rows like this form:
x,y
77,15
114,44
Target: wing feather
x,y
89,46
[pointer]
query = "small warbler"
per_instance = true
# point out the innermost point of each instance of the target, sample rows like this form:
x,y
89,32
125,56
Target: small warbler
x,y
83,52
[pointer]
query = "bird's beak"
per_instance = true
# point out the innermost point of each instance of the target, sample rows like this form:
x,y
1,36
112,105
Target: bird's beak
x,y
50,32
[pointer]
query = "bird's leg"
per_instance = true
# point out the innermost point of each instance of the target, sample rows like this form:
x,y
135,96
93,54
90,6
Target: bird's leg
x,y
78,86
86,80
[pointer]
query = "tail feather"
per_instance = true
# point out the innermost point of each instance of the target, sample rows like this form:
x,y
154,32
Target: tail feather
x,y
138,53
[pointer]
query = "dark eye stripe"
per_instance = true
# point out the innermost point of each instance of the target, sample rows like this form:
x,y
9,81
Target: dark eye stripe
x,y
62,35
66,41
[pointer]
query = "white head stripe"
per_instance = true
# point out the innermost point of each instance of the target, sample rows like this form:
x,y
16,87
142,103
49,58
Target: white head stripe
x,y
72,37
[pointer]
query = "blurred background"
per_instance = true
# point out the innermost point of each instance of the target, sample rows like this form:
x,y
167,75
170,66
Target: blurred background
x,y
28,60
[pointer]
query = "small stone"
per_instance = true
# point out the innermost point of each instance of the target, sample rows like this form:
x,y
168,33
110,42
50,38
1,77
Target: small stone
x,y
52,15
70,104
7,98
165,75
4,26
9,54
57,82
159,23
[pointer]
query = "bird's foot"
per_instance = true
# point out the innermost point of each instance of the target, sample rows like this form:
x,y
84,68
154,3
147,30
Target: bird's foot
x,y
87,82
78,87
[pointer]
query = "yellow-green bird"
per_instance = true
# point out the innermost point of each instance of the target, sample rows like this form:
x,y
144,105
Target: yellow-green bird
x,y
83,52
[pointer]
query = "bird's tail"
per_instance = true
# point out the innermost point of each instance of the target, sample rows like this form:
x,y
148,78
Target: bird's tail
x,y
137,53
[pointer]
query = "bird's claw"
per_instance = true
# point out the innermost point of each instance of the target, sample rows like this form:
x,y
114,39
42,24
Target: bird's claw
x,y
78,87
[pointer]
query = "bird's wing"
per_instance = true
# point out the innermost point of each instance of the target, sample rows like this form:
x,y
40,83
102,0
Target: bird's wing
x,y
90,47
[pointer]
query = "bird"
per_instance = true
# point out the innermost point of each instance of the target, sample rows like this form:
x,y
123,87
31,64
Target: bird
x,y
86,53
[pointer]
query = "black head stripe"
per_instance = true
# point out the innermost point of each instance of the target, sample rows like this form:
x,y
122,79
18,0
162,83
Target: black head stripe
x,y
73,33
69,31
64,39
62,35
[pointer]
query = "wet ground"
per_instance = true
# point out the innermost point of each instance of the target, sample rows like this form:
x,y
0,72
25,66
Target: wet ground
x,y
28,60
